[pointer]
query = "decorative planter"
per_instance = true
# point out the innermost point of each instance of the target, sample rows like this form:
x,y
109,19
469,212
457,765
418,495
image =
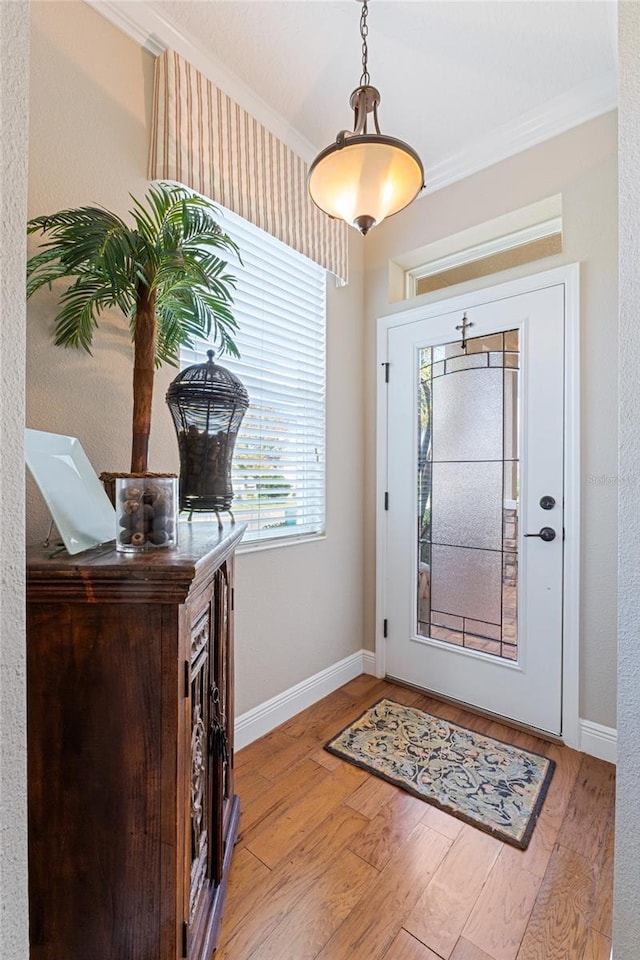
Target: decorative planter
x,y
207,403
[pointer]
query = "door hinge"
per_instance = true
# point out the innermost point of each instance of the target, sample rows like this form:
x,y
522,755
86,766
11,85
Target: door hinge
x,y
185,934
233,598
385,624
186,678
386,372
386,500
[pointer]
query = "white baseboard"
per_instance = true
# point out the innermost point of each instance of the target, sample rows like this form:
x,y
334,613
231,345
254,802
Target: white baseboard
x,y
263,718
598,741
595,739
369,662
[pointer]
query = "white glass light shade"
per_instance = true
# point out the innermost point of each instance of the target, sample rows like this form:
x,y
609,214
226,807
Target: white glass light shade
x,y
365,180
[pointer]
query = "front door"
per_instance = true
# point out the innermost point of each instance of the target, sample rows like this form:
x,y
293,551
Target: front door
x,y
475,505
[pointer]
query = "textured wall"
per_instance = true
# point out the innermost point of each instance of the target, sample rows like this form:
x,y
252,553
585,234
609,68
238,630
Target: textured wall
x,y
14,54
582,166
626,941
299,607
90,100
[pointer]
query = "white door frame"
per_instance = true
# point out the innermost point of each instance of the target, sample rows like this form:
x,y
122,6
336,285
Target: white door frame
x,y
569,276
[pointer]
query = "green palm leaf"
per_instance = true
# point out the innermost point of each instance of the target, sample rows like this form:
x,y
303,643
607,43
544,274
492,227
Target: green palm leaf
x,y
171,248
82,304
163,273
164,270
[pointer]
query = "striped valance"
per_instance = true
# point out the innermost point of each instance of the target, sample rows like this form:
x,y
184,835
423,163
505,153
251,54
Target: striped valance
x,y
202,138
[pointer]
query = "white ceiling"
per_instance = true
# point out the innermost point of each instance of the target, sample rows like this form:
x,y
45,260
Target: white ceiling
x,y
459,80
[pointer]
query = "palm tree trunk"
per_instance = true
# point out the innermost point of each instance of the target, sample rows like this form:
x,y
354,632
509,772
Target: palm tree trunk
x,y
143,374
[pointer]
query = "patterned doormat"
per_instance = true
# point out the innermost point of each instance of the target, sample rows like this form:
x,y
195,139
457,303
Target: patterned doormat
x,y
493,785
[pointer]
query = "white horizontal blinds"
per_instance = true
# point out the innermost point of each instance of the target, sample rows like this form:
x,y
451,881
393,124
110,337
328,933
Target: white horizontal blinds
x,y
202,138
279,463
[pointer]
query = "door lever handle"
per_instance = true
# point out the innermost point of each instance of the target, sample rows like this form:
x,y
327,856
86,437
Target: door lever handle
x,y
546,533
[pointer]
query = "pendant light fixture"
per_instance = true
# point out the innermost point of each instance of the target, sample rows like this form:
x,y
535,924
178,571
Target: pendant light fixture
x,y
364,177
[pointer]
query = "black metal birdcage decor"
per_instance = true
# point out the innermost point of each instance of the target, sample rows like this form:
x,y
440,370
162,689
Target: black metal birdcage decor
x,y
207,403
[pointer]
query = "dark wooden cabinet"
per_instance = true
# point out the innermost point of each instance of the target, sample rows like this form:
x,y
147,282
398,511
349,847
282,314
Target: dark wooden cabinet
x,y
132,814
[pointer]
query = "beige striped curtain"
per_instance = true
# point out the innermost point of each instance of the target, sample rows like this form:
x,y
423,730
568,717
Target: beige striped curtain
x,y
201,138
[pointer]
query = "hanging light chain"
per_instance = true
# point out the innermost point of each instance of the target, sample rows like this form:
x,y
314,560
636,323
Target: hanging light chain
x,y
382,176
365,79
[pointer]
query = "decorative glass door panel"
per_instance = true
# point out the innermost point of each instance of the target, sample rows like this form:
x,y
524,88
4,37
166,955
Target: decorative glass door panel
x,y
467,460
474,473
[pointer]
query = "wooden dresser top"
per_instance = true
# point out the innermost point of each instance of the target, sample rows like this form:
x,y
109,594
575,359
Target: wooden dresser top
x,y
104,574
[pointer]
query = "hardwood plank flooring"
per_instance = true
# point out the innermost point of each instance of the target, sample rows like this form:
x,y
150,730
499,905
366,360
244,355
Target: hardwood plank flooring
x,y
378,917
441,912
370,798
468,951
406,947
388,830
442,822
501,912
604,895
319,913
588,817
598,947
333,863
298,819
268,901
559,924
269,805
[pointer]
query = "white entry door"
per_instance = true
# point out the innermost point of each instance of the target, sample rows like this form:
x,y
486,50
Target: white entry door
x,y
475,505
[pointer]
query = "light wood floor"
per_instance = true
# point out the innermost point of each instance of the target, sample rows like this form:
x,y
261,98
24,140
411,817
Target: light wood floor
x,y
336,864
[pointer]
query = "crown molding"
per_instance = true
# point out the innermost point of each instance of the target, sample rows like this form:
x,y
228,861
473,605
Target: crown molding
x,y
145,23
554,117
127,18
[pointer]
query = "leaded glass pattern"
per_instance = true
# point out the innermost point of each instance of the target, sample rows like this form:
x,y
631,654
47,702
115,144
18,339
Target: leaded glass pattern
x,y
468,491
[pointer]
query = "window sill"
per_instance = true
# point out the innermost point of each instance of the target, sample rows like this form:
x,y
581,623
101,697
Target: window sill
x,y
258,546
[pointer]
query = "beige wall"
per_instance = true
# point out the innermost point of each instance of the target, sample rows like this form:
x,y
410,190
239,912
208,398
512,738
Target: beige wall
x,y
298,608
302,605
90,92
582,165
14,61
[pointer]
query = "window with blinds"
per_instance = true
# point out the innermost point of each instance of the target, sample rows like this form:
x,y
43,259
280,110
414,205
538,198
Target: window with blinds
x,y
279,462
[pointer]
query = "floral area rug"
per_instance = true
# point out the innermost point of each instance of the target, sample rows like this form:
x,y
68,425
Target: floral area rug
x,y
493,785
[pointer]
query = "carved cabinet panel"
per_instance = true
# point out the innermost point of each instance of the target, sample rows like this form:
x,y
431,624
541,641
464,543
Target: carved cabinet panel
x,y
213,808
132,814
202,828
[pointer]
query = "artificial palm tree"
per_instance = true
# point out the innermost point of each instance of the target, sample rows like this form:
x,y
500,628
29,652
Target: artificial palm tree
x,y
163,274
